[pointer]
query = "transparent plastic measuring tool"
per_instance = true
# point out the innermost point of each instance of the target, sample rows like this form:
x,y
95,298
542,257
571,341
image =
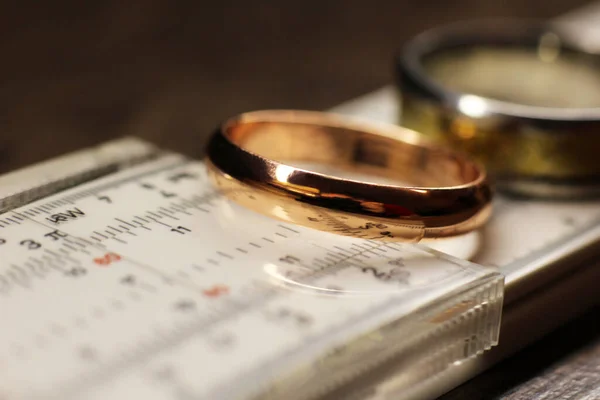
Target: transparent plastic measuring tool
x,y
147,283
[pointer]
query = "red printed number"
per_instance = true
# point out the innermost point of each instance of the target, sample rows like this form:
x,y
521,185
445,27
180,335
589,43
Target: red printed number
x,y
216,291
107,259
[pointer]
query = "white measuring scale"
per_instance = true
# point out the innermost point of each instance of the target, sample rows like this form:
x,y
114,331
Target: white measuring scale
x,y
147,283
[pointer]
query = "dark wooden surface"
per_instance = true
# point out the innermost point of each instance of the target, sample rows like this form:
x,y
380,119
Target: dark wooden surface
x,y
73,74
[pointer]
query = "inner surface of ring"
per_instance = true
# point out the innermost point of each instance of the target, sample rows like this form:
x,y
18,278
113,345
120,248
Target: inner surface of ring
x,y
542,76
295,143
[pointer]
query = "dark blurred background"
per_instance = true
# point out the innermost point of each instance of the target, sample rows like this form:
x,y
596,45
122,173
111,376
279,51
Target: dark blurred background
x,y
77,73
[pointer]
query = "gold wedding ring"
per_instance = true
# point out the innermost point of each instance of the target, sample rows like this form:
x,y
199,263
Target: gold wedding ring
x,y
522,97
254,159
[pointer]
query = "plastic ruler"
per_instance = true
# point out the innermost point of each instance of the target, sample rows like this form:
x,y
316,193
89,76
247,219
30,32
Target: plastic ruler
x,y
147,283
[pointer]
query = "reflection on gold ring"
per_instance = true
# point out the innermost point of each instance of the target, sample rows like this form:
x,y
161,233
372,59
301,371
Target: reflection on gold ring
x,y
250,160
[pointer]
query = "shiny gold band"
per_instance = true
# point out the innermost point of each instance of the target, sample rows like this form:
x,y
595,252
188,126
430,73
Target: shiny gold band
x,y
533,121
254,159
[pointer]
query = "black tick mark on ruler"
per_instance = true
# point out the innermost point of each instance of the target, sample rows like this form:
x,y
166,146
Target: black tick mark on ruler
x,y
289,229
224,255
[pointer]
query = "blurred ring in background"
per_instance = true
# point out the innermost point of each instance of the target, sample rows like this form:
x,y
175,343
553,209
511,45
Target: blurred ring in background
x,y
522,97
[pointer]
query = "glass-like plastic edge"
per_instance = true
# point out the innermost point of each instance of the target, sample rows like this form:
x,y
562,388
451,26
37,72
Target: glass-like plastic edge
x,y
421,345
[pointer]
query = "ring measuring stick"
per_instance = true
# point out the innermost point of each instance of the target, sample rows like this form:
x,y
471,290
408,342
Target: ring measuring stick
x,y
148,283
